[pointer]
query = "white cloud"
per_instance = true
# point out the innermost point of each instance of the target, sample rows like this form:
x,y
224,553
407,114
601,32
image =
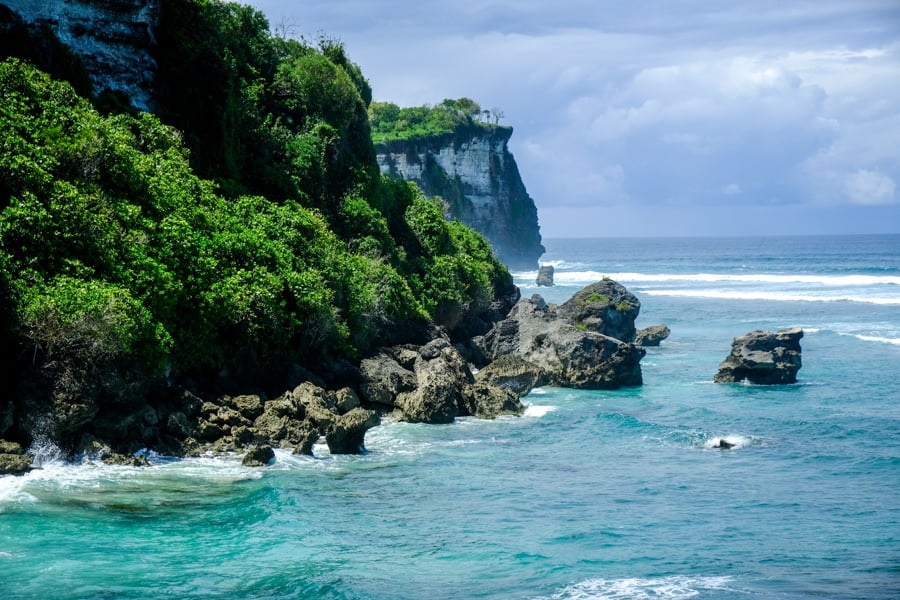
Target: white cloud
x,y
732,189
869,188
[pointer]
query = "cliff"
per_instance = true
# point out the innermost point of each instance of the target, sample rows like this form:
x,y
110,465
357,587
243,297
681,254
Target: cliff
x,y
114,39
475,174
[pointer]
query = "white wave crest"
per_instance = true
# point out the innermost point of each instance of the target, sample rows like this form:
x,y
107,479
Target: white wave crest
x,y
537,410
730,441
673,587
776,278
880,340
773,296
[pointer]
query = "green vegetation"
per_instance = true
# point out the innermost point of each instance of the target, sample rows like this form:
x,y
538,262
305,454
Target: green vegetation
x,y
595,298
254,232
392,123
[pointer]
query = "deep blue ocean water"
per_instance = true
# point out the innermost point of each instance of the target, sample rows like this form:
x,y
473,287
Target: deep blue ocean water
x,y
588,495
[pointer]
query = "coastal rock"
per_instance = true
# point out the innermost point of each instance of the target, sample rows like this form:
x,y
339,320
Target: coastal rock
x,y
441,379
383,378
491,401
114,39
259,456
605,307
545,276
13,460
475,174
513,373
346,435
763,358
651,336
567,354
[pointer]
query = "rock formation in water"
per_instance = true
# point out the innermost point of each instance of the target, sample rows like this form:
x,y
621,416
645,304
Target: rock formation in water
x,y
651,336
114,39
475,174
564,351
763,357
545,276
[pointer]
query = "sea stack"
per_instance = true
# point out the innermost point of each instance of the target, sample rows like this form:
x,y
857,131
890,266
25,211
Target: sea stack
x,y
545,276
763,358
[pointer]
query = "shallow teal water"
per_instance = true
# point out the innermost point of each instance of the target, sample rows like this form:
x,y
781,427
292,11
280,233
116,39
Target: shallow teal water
x,y
589,495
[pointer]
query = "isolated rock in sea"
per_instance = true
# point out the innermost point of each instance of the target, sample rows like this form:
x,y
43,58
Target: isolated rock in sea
x,y
763,358
346,434
545,276
651,336
13,460
569,355
605,307
259,456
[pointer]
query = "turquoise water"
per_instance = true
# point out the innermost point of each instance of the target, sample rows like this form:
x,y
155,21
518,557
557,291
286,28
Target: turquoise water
x,y
588,495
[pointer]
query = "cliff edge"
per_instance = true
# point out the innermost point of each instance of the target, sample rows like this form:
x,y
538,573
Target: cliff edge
x,y
471,168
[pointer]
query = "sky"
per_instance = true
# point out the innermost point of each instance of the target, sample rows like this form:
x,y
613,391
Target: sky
x,y
643,118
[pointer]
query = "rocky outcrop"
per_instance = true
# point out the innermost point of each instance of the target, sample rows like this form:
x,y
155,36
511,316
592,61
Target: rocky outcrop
x,y
545,276
763,358
259,456
431,384
513,373
605,307
568,353
651,336
114,39
475,174
13,460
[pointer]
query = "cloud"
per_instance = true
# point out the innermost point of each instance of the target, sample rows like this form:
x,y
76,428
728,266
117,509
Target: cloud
x,y
636,107
869,188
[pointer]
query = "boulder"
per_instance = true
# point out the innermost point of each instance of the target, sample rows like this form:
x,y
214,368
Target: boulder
x,y
383,379
259,456
651,336
604,307
545,276
13,460
346,433
492,401
441,379
763,357
345,400
513,373
567,354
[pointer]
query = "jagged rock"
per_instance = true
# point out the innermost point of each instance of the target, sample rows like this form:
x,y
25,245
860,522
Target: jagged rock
x,y
114,38
346,434
318,404
345,400
763,357
651,336
492,401
383,379
13,460
568,355
605,307
249,406
259,456
441,378
545,276
513,373
126,460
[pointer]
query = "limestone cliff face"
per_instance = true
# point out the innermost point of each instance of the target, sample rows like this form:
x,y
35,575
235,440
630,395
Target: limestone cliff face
x,y
476,175
112,37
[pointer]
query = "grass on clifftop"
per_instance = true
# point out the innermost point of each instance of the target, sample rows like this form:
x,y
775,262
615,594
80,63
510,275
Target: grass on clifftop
x,y
392,123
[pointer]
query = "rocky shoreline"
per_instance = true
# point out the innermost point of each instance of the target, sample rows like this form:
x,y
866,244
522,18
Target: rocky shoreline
x,y
589,342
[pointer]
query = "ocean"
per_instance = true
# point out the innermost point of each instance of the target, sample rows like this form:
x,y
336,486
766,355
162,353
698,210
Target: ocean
x,y
588,495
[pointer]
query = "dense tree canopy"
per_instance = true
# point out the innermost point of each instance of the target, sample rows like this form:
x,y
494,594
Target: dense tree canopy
x,y
244,226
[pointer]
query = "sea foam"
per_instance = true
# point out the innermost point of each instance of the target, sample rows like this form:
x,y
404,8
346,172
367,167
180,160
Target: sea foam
x,y
673,587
